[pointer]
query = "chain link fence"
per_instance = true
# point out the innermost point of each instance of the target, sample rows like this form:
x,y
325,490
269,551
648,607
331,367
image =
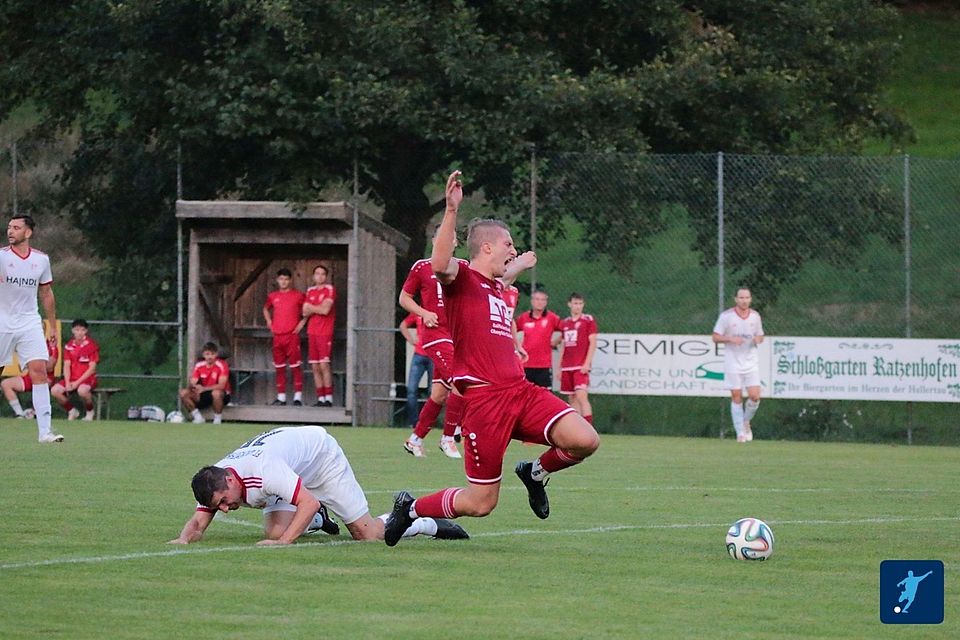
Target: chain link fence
x,y
831,246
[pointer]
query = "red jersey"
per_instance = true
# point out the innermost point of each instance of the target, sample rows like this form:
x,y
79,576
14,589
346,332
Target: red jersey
x,y
479,320
287,310
576,340
537,334
317,324
511,295
209,376
80,355
423,282
415,320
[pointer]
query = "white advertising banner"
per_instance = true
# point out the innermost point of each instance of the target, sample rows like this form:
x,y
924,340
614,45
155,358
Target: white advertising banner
x,y
790,367
663,365
865,369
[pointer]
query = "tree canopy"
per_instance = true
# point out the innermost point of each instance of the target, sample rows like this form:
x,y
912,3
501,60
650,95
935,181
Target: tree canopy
x,y
274,99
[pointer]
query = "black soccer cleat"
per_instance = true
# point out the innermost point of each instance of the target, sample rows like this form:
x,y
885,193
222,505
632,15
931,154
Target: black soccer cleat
x,y
535,490
399,520
297,403
323,522
278,403
449,530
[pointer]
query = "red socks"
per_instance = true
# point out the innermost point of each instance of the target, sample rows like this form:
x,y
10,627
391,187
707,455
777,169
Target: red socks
x,y
437,505
554,459
428,417
451,418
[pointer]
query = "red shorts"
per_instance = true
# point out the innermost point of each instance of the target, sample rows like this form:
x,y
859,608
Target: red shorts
x,y
286,349
319,348
496,413
442,355
571,381
92,381
28,383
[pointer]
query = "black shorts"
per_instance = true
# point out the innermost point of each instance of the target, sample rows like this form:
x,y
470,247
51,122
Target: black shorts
x,y
540,377
206,399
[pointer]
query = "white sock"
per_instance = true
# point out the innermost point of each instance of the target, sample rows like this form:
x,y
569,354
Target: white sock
x,y
41,405
426,526
282,397
217,418
751,410
195,413
538,473
328,398
15,405
297,395
736,414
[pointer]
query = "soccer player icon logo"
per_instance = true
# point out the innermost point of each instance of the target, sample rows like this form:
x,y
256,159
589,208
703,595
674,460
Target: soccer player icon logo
x,y
909,584
903,599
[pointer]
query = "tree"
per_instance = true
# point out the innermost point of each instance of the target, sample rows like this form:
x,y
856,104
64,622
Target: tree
x,y
276,98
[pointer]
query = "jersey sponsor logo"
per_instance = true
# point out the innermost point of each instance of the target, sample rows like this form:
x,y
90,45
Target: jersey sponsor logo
x,y
570,337
23,282
499,311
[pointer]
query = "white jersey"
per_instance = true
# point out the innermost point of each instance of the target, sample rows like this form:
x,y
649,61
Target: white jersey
x,y
19,280
742,358
275,466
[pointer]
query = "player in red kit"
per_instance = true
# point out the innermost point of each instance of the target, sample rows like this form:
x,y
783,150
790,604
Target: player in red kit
x,y
283,312
538,326
80,357
500,403
438,345
579,340
209,385
321,316
13,386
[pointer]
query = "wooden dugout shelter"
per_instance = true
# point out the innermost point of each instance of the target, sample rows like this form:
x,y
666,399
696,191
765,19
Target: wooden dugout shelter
x,y
235,250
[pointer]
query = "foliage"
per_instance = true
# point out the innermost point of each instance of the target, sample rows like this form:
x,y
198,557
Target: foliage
x,y
275,99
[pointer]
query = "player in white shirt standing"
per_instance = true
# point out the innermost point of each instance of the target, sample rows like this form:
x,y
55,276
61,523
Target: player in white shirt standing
x,y
289,472
741,331
24,275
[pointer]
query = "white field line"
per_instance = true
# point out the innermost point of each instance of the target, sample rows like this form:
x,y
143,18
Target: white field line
x,y
183,551
716,489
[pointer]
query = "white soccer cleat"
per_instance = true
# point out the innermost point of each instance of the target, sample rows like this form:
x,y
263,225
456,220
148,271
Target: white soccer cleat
x,y
747,432
88,417
73,414
29,414
416,450
449,448
51,437
198,419
217,419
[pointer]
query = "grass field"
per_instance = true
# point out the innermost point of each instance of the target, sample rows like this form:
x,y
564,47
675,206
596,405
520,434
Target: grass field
x,y
634,546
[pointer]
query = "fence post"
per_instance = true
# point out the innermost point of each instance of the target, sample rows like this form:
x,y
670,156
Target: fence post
x,y
13,165
907,243
533,214
181,374
353,312
720,261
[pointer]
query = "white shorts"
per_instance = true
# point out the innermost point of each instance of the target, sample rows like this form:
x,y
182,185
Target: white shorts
x,y
29,345
340,493
741,380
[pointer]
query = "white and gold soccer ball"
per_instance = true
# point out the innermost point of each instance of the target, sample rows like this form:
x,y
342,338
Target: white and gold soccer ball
x,y
749,539
175,417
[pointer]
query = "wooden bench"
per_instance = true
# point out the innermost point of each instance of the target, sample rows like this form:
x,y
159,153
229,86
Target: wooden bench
x,y
103,399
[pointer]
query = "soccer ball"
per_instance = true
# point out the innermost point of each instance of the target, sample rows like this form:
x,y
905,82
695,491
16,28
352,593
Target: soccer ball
x,y
749,539
175,417
29,414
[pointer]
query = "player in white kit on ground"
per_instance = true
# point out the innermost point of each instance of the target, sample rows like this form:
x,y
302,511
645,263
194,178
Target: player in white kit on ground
x,y
24,275
741,331
289,472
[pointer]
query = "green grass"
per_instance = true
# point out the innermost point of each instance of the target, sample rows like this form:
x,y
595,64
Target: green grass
x,y
633,548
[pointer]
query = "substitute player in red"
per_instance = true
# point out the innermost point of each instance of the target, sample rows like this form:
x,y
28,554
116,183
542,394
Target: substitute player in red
x,y
321,316
437,343
500,403
579,335
80,357
22,384
283,312
209,386
538,326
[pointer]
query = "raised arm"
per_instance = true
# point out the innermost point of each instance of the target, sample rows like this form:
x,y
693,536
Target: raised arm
x,y
521,263
441,260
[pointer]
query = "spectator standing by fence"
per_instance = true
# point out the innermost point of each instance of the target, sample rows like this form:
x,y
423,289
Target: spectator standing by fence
x,y
579,335
420,364
538,326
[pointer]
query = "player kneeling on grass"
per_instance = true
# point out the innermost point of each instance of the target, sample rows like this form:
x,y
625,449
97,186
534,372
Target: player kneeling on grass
x,y
294,474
